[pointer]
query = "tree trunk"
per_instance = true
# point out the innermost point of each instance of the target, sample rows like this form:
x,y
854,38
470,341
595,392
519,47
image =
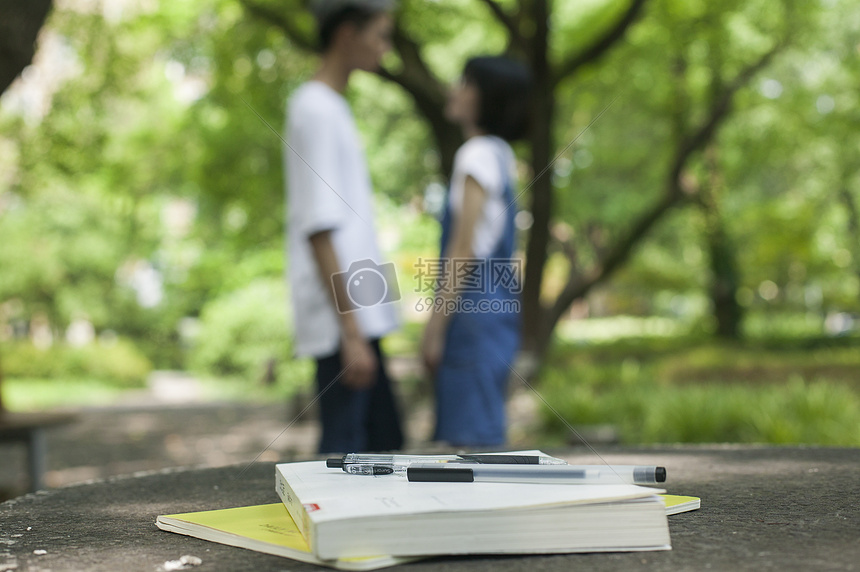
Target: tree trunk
x,y
448,137
541,188
429,95
20,23
725,278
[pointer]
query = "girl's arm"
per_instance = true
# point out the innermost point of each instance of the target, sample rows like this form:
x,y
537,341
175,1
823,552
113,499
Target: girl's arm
x,y
459,247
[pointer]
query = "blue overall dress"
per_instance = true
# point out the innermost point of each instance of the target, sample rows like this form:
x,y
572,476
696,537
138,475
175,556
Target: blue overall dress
x,y
480,347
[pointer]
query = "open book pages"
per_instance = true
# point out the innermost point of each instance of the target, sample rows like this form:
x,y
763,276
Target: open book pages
x,y
344,515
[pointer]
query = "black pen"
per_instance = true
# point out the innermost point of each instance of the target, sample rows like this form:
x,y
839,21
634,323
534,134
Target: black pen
x,y
540,474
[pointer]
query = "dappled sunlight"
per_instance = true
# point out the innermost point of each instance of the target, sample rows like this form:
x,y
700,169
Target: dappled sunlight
x,y
600,330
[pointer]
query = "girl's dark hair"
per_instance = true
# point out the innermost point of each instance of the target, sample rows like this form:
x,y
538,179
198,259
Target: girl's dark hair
x,y
505,88
358,16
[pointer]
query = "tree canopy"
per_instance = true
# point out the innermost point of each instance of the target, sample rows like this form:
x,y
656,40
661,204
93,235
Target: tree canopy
x,y
688,158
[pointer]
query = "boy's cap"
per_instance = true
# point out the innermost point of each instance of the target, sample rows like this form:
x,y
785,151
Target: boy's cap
x,y
325,9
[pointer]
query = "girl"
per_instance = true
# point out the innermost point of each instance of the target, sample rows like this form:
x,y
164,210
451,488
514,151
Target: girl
x,y
472,336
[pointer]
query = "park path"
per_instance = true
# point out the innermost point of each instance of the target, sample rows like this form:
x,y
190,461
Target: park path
x,y
169,425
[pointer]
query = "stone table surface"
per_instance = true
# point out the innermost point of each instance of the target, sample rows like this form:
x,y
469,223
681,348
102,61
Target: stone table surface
x,y
763,508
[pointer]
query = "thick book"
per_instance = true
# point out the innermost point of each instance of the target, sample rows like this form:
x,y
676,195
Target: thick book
x,y
270,529
342,515
265,528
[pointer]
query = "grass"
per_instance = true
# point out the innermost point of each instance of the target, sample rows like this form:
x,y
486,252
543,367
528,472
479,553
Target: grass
x,y
36,394
694,391
819,412
31,393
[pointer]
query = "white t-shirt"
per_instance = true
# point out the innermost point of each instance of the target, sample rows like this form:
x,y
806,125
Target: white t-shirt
x,y
483,157
328,188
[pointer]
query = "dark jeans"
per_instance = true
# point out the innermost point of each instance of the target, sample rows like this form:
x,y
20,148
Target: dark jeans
x,y
357,420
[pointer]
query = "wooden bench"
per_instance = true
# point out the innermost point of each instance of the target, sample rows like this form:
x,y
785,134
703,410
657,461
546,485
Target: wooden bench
x,y
29,428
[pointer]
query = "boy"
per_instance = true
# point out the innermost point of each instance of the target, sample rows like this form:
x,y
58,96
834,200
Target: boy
x,y
330,227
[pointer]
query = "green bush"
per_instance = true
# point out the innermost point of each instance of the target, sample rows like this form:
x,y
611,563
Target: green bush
x,y
117,362
240,332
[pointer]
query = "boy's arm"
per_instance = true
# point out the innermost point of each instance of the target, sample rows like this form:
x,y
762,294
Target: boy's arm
x,y
357,356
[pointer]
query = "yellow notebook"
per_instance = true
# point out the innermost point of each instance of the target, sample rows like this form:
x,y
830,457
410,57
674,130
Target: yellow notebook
x,y
676,503
264,528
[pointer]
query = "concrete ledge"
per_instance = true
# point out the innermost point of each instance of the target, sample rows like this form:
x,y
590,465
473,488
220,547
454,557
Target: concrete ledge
x,y
763,508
